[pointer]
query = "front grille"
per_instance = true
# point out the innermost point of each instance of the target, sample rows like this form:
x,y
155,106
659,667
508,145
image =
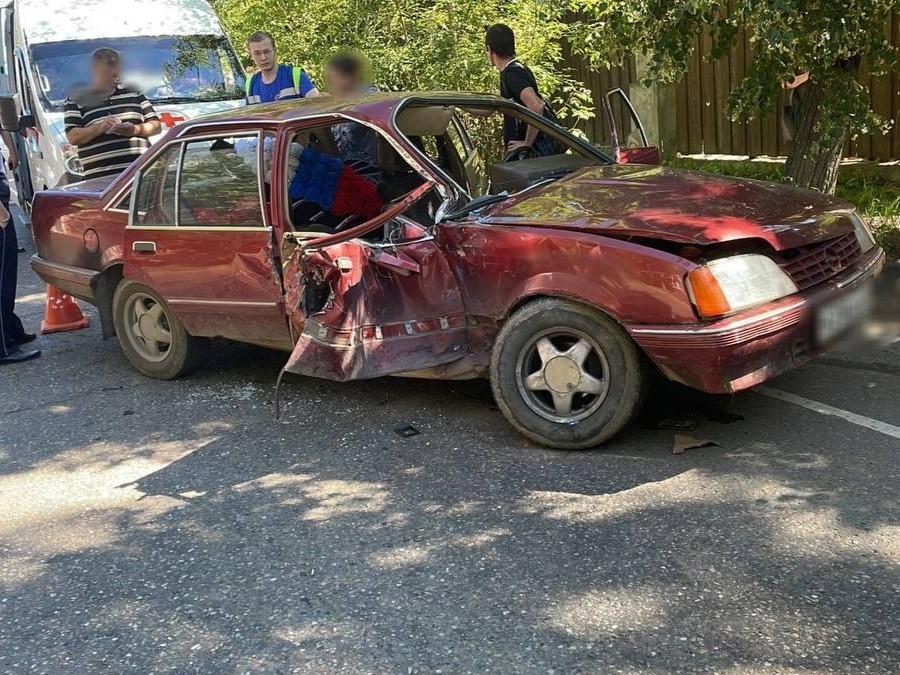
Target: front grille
x,y
814,265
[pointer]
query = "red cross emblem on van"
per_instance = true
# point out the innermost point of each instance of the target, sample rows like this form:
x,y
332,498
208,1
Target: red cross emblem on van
x,y
170,119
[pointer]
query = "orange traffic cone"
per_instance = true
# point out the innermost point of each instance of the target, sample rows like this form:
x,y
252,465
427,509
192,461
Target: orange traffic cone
x,y
62,314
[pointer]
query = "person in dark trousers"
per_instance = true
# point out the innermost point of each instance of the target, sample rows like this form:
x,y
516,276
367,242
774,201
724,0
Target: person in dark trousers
x,y
12,333
109,123
274,81
518,84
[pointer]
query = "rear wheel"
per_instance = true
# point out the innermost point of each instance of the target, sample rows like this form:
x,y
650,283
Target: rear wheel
x,y
565,375
151,336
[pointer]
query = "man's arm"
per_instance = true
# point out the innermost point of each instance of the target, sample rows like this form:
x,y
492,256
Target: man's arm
x,y
84,135
536,105
149,127
519,84
143,130
308,88
76,131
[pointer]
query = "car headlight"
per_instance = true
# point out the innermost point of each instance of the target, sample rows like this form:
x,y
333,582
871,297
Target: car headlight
x,y
71,160
729,285
863,233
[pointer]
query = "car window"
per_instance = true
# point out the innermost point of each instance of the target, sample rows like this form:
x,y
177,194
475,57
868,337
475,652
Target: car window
x,y
124,204
24,87
155,204
439,131
475,169
219,183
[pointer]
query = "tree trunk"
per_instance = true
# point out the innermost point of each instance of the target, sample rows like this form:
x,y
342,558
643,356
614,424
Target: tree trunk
x,y
813,160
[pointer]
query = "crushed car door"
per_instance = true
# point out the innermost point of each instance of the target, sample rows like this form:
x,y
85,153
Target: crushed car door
x,y
627,135
363,308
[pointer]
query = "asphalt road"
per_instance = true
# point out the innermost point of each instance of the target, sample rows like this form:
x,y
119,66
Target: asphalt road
x,y
177,527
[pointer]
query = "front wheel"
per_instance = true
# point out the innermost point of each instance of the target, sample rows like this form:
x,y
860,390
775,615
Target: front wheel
x,y
566,375
151,336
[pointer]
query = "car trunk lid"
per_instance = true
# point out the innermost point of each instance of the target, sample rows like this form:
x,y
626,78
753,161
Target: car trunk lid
x,y
93,187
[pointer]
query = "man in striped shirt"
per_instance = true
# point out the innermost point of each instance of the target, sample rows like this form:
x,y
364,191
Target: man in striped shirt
x,y
109,123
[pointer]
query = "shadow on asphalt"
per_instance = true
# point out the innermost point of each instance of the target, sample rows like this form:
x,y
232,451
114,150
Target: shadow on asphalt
x,y
464,549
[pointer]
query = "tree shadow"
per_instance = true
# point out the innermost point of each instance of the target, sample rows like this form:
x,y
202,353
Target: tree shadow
x,y
287,546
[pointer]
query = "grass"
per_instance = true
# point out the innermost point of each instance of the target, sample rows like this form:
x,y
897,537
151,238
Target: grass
x,y
875,195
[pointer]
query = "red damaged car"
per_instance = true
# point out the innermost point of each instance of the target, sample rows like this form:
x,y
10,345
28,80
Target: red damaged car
x,y
375,237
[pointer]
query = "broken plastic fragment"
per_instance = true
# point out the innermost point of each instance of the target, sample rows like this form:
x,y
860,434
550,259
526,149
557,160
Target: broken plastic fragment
x,y
683,443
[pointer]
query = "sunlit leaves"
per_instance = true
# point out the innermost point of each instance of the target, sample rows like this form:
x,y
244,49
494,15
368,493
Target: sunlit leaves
x,y
826,38
415,44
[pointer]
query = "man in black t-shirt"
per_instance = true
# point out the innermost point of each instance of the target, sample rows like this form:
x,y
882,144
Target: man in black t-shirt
x,y
518,84
108,123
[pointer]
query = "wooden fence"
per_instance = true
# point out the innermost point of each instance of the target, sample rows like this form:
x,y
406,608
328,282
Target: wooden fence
x,y
599,82
703,126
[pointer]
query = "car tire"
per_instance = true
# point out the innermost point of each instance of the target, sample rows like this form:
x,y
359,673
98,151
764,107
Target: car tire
x,y
152,338
565,375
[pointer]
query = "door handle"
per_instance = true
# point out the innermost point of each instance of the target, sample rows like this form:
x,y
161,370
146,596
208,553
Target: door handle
x,y
144,247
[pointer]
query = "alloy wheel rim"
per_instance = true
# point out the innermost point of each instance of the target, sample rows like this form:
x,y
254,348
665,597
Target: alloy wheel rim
x,y
148,328
563,375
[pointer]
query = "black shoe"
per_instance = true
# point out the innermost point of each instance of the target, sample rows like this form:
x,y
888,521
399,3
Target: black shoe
x,y
26,338
18,356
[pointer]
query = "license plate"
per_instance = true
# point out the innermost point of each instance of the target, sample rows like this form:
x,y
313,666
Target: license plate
x,y
838,316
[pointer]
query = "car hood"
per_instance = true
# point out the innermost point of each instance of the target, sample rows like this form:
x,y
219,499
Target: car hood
x,y
681,206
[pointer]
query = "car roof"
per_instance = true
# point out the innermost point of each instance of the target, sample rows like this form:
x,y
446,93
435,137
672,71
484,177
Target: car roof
x,y
63,20
376,107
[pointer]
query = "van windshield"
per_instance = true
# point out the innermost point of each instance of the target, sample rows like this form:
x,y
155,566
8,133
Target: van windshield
x,y
168,69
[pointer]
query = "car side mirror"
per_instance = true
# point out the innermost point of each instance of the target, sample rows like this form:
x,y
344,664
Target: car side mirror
x,y
9,114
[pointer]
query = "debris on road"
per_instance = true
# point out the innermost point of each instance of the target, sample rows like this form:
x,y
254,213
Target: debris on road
x,y
406,431
683,443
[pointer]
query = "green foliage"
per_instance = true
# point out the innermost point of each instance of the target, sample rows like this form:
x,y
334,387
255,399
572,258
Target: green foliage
x,y
825,38
415,44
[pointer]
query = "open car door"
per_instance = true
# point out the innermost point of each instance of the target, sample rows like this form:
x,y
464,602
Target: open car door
x,y
361,309
627,135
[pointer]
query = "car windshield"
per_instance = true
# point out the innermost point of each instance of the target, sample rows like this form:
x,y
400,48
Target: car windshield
x,y
465,141
180,69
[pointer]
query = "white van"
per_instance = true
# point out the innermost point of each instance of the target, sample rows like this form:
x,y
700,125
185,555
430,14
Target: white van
x,y
175,51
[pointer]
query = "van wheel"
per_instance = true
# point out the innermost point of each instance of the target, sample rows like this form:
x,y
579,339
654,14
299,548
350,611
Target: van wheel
x,y
565,375
151,336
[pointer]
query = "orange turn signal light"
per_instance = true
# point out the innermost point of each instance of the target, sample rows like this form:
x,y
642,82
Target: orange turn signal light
x,y
706,293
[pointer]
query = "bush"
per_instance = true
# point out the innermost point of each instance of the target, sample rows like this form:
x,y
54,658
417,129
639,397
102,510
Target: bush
x,y
416,44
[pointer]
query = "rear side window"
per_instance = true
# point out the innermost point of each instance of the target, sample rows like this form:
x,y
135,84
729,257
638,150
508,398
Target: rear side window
x,y
155,204
219,183
202,183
